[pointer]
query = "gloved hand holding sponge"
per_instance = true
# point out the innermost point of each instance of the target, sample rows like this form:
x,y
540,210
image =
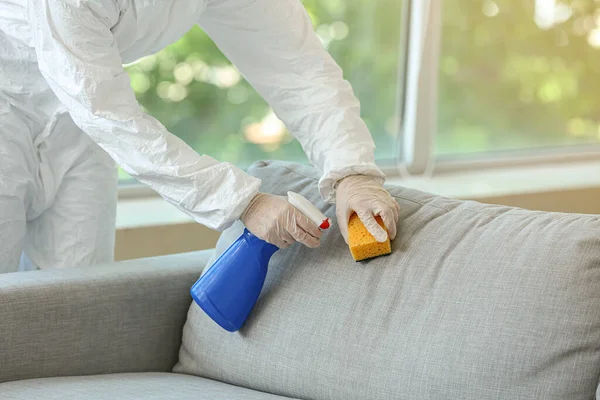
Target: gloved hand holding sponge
x,y
365,196
367,215
361,203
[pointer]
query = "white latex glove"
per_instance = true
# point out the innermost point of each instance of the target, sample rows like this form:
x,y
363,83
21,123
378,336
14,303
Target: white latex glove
x,y
366,196
273,219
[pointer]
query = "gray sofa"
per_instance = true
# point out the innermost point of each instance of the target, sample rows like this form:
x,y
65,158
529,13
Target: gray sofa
x,y
106,332
475,302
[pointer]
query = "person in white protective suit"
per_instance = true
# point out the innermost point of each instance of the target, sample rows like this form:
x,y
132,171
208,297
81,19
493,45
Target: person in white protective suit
x,y
68,115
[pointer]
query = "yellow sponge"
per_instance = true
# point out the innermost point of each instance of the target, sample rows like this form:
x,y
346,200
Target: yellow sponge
x,y
362,244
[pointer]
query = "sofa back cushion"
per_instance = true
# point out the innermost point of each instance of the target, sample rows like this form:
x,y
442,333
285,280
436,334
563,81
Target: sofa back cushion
x,y
475,302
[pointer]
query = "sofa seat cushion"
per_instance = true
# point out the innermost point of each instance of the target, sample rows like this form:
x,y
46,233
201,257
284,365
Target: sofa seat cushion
x,y
146,386
475,302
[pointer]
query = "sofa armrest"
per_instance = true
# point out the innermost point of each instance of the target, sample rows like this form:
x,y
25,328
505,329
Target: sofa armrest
x,y
121,317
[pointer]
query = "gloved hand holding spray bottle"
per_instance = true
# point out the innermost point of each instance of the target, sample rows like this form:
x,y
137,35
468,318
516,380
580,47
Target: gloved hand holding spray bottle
x,y
230,287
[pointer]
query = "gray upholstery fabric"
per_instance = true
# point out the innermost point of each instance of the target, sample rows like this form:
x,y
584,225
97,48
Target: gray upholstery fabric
x,y
124,317
144,386
475,302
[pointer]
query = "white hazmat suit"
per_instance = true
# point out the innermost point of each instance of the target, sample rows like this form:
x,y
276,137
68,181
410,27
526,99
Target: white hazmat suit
x,y
67,113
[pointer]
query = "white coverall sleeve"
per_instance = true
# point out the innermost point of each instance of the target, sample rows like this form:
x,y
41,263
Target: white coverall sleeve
x,y
79,58
273,44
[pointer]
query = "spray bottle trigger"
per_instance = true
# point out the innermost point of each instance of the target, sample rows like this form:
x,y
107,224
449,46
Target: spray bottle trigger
x,y
309,210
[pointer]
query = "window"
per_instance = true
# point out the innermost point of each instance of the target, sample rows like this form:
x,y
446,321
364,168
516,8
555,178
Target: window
x,y
451,82
200,97
518,75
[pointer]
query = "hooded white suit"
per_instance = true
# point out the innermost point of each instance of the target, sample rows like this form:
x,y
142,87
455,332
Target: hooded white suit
x,y
67,113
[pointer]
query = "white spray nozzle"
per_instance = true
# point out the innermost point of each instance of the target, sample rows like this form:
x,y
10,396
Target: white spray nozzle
x,y
308,209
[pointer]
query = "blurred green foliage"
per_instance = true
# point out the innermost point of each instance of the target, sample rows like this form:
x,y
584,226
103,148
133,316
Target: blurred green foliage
x,y
509,79
516,76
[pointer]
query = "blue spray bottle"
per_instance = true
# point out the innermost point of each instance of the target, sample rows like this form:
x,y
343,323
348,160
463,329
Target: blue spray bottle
x,y
229,289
